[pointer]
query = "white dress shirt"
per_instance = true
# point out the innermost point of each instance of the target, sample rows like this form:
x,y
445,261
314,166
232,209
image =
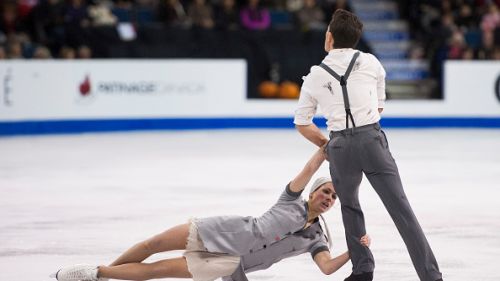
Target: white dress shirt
x,y
365,89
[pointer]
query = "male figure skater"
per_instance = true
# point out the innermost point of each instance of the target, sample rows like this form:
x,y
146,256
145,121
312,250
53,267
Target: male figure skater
x,y
349,87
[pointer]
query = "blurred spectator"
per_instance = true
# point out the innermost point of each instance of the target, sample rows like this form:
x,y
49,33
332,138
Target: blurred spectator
x,y
496,54
26,44
145,11
9,21
254,16
67,53
491,20
100,14
446,7
124,10
311,17
3,53
437,47
468,53
14,49
416,52
172,13
341,4
496,36
485,52
441,33
84,52
24,7
76,18
49,23
42,52
227,16
456,46
201,14
293,6
466,19
76,14
426,19
146,3
330,6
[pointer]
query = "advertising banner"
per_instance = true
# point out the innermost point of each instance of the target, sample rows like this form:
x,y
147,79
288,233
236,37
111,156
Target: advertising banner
x,y
107,95
97,89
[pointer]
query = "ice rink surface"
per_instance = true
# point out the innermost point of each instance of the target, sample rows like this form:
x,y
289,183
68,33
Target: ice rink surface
x,y
86,198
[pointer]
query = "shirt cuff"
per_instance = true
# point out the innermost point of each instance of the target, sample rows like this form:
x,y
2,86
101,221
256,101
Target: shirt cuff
x,y
381,103
302,121
319,250
292,193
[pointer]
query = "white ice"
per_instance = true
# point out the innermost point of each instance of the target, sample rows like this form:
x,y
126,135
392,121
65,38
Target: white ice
x,y
86,198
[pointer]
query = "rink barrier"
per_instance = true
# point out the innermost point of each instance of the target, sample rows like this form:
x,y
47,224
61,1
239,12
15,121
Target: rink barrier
x,y
121,125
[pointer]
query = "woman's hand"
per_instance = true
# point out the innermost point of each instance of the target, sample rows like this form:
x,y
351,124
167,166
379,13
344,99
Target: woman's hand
x,y
365,240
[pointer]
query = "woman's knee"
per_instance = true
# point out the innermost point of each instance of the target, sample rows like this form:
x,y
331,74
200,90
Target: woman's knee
x,y
150,246
172,239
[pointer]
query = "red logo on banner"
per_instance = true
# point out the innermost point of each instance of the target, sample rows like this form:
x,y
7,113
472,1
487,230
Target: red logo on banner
x,y
85,86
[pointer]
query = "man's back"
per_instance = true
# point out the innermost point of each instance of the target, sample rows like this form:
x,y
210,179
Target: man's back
x,y
365,85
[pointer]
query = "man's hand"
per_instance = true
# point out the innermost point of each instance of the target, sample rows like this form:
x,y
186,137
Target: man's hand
x,y
365,240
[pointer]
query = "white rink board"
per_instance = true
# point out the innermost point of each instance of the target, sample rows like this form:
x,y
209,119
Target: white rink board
x,y
39,90
470,90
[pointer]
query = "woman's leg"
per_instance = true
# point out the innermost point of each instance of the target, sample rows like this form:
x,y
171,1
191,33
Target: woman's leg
x,y
173,268
172,239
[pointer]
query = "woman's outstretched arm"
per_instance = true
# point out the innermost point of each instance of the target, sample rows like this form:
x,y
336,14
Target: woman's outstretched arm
x,y
300,181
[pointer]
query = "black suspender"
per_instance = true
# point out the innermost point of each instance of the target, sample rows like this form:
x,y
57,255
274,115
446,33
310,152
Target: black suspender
x,y
343,83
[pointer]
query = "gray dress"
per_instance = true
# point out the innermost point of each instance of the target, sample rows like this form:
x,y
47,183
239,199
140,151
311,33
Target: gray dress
x,y
242,236
310,240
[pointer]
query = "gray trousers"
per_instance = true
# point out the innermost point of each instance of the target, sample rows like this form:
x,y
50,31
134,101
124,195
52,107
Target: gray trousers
x,y
364,149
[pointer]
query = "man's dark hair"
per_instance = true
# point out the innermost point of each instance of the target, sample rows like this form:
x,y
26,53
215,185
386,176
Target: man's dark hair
x,y
346,29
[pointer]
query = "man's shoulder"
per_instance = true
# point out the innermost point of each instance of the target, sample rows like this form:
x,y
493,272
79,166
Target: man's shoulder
x,y
371,58
315,73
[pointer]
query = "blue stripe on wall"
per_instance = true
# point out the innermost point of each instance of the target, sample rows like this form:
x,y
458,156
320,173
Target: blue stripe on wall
x,y
439,122
113,125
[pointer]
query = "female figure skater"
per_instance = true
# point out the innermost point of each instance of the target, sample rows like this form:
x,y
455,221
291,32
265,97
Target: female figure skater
x,y
230,246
